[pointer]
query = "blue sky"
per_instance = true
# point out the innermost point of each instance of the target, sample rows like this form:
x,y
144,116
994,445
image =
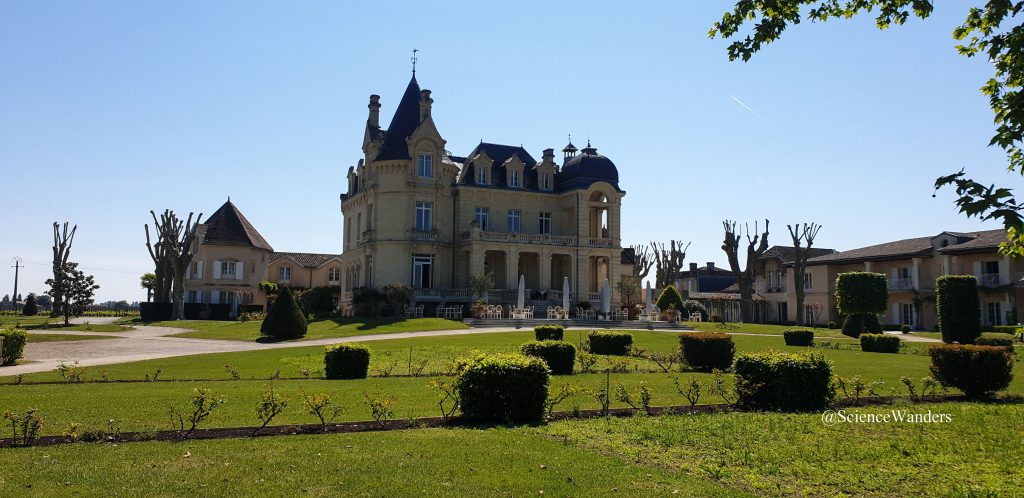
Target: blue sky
x,y
110,109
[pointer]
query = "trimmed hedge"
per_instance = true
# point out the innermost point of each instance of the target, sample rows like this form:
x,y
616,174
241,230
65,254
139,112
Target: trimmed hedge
x,y
861,296
994,341
879,343
798,337
346,361
14,345
669,297
975,370
610,342
559,355
905,329
958,307
857,324
503,388
707,351
285,319
770,380
549,332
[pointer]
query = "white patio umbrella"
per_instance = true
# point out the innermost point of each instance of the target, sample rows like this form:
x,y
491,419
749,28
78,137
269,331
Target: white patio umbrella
x,y
565,294
606,297
647,297
521,301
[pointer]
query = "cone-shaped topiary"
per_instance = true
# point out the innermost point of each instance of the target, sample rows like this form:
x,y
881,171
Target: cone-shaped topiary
x,y
668,297
958,307
30,309
284,319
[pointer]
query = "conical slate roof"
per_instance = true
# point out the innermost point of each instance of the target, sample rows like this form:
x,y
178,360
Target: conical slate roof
x,y
405,121
228,227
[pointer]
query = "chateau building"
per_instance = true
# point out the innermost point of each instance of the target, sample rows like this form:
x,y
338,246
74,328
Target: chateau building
x,y
912,266
419,215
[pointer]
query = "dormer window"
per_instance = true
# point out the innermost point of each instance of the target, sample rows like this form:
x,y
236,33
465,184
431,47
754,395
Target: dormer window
x,y
513,180
425,166
481,177
545,181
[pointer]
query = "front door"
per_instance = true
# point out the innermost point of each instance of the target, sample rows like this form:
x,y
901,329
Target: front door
x,y
783,313
422,271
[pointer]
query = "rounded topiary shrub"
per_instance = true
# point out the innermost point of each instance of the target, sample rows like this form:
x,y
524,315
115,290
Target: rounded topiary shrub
x,y
879,343
610,342
905,328
560,356
690,307
832,325
770,380
285,319
548,332
503,388
707,351
346,361
670,297
30,308
975,370
861,296
994,341
958,307
798,337
14,345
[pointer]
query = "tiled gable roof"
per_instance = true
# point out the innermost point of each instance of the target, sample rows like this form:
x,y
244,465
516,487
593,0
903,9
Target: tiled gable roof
x,y
305,259
920,246
786,254
987,240
228,227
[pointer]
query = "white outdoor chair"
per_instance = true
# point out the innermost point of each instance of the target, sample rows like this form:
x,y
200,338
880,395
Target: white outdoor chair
x,y
695,316
419,311
552,314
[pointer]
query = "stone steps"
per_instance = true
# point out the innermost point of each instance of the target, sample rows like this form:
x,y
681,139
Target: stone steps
x,y
591,324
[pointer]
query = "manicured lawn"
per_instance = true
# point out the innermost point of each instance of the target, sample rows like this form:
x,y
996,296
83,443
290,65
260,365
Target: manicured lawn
x,y
318,329
82,327
66,337
22,321
976,454
762,328
938,335
425,462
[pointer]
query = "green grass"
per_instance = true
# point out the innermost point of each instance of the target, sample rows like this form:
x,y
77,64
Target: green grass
x,y
82,327
22,321
318,329
797,455
763,328
428,462
143,406
938,335
66,337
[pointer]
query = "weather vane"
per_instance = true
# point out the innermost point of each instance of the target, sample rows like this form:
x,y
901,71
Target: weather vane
x,y
413,59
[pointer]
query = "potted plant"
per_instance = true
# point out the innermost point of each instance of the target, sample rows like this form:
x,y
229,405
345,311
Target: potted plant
x,y
478,308
672,314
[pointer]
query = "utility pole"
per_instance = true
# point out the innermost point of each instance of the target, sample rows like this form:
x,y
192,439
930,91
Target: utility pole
x,y
14,298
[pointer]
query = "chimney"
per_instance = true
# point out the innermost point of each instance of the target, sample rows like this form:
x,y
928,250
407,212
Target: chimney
x,y
425,102
693,269
374,119
548,155
711,266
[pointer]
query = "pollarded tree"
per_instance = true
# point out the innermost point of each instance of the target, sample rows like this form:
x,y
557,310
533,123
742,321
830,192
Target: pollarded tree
x,y
163,272
958,307
62,240
178,239
30,308
669,261
76,290
284,320
643,261
756,246
803,240
861,296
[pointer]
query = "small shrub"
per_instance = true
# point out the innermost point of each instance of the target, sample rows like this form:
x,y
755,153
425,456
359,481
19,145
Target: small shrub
x,y
251,316
975,370
669,297
200,406
346,361
72,374
448,401
879,343
323,407
14,345
28,425
638,399
770,380
798,337
285,319
707,351
564,392
832,325
905,328
995,341
560,356
503,388
610,342
691,392
382,408
549,332
958,308
586,361
271,405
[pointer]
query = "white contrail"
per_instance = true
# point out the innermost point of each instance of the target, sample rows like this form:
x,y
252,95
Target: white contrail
x,y
745,106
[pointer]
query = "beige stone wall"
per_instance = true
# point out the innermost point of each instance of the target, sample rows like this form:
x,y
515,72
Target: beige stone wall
x,y
251,268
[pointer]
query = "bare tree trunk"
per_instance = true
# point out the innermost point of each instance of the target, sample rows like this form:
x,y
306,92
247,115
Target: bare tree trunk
x,y
800,253
643,261
161,260
669,261
181,239
756,246
62,241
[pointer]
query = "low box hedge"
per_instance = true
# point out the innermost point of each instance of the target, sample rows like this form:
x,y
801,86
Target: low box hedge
x,y
975,370
346,361
610,342
995,341
503,388
14,345
549,332
879,343
798,337
560,356
769,380
707,351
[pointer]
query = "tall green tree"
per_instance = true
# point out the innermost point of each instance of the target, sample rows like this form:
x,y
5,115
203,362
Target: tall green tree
x,y
148,281
76,289
30,309
990,30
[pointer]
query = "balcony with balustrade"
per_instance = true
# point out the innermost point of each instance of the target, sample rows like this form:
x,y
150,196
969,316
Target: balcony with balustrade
x,y
901,284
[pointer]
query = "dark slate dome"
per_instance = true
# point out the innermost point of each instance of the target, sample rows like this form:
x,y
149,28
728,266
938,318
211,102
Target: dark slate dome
x,y
587,168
